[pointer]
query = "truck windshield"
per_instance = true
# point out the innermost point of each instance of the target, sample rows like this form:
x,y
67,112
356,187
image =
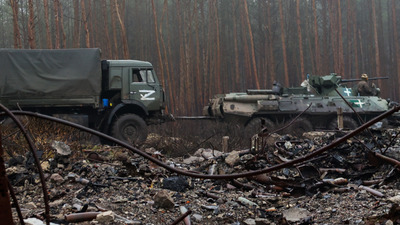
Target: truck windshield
x,y
148,74
145,75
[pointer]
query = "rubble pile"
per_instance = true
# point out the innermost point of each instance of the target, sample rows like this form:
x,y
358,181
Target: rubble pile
x,y
348,184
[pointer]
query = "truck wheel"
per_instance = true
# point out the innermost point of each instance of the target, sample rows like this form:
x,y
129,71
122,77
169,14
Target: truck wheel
x,y
130,128
300,126
255,125
348,123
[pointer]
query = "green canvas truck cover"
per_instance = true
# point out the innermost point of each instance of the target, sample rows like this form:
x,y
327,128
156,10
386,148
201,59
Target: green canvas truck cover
x,y
50,74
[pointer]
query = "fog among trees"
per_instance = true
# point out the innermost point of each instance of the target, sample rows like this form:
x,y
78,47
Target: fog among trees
x,y
200,48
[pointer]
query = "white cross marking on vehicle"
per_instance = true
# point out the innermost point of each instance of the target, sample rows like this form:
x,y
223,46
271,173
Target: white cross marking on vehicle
x,y
347,91
359,103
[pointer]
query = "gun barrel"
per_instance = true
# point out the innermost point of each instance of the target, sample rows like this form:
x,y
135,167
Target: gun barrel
x,y
372,78
378,78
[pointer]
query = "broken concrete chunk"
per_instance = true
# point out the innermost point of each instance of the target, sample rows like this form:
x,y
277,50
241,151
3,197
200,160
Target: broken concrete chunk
x,y
247,202
56,178
262,221
395,199
35,221
232,158
249,222
193,159
106,217
30,205
207,153
295,214
197,217
61,148
163,200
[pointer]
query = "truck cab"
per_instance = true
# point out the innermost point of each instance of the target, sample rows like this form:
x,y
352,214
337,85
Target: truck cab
x,y
135,81
131,90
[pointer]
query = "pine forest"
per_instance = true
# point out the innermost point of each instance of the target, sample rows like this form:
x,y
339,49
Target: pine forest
x,y
200,48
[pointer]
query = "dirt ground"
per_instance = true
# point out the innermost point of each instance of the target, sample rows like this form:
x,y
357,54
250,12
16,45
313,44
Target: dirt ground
x,y
347,184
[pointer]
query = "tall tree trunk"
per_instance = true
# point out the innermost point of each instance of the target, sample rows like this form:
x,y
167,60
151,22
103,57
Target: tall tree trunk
x,y
97,32
158,43
114,29
182,60
31,26
57,23
271,58
350,42
123,32
253,57
187,16
317,52
38,28
283,41
300,39
333,34
108,50
89,19
246,73
340,40
76,36
213,49
64,36
236,49
377,59
382,38
85,24
325,45
17,34
218,48
354,23
200,97
46,15
361,51
396,42
169,82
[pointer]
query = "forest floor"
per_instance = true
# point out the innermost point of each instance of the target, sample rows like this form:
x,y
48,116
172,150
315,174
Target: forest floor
x,y
346,184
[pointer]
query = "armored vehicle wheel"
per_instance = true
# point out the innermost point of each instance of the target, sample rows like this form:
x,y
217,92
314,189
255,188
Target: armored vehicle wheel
x,y
130,128
300,126
348,123
255,125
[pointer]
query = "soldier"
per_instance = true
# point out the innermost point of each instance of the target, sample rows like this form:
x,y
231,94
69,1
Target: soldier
x,y
364,88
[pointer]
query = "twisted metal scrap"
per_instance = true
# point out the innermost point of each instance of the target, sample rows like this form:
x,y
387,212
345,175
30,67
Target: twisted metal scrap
x,y
225,176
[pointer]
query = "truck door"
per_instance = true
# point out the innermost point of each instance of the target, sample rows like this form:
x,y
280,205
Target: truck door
x,y
144,87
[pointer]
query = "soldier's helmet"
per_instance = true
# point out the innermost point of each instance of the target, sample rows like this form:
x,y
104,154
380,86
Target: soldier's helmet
x,y
364,76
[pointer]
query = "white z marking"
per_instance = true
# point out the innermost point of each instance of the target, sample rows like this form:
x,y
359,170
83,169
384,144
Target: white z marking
x,y
145,97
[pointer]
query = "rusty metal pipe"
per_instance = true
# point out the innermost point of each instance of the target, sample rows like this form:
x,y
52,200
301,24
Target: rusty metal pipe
x,y
372,191
338,170
388,159
14,198
6,214
37,162
80,217
182,217
372,182
210,195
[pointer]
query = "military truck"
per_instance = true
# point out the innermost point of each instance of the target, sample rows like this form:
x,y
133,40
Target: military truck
x,y
316,99
116,97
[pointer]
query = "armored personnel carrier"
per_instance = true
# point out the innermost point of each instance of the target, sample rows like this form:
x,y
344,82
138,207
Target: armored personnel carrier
x,y
316,100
